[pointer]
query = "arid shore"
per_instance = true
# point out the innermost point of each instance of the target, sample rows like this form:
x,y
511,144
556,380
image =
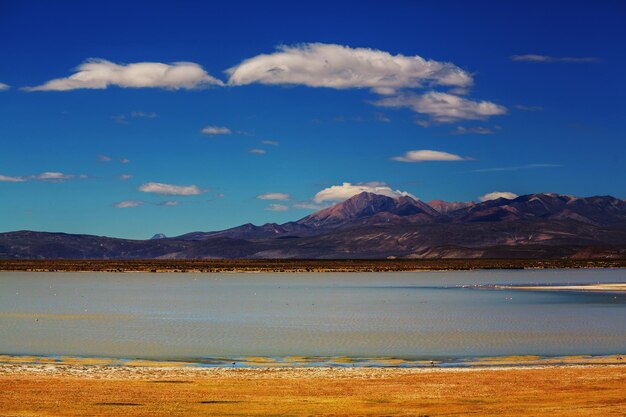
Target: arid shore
x,y
79,390
299,265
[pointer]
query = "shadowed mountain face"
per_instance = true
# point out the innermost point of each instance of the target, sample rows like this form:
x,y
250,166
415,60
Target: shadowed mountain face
x,y
375,226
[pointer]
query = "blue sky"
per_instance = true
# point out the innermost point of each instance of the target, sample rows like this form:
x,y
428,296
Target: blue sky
x,y
440,100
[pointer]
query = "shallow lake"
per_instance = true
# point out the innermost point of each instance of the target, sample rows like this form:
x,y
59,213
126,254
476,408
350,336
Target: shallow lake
x,y
404,315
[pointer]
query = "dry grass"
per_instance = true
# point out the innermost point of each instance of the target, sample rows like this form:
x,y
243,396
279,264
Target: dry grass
x,y
299,265
555,391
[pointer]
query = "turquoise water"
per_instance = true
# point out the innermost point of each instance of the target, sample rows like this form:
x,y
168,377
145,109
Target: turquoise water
x,y
403,315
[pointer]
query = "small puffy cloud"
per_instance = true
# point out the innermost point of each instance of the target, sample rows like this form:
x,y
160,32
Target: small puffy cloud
x,y
125,177
124,161
443,107
53,176
4,87
128,204
169,203
257,151
274,196
216,130
143,115
552,59
428,156
341,67
461,130
104,158
169,189
6,178
277,207
498,194
270,142
101,74
346,190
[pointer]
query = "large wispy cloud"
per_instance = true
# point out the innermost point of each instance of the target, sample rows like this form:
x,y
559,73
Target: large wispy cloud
x,y
4,87
274,196
341,67
393,76
443,107
101,74
428,156
170,189
346,190
552,59
498,194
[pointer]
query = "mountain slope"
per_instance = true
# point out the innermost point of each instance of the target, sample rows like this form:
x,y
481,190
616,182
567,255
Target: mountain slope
x,y
374,226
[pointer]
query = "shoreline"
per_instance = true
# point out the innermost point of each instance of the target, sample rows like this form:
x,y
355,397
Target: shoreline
x,y
309,362
301,265
603,287
79,390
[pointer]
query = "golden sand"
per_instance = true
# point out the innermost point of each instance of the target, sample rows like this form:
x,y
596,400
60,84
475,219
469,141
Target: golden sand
x,y
79,390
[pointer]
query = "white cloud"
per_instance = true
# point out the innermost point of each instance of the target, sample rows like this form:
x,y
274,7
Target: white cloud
x,y
442,107
428,156
216,130
346,190
517,168
381,117
124,161
125,177
128,204
478,130
169,203
4,87
277,207
340,67
274,196
528,108
143,115
53,176
498,194
257,151
120,119
308,206
104,158
552,59
270,142
100,74
6,178
169,189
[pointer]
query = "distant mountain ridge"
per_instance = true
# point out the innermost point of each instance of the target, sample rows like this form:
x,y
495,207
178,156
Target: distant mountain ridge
x,y
376,226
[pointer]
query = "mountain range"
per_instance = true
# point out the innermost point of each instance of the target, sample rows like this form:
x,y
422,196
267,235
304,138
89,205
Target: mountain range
x,y
543,225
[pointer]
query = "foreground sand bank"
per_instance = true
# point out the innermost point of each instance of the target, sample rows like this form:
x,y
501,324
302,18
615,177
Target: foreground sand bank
x,y
79,390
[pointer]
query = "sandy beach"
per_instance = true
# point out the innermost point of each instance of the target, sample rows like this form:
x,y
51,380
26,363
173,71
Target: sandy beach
x,y
80,390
